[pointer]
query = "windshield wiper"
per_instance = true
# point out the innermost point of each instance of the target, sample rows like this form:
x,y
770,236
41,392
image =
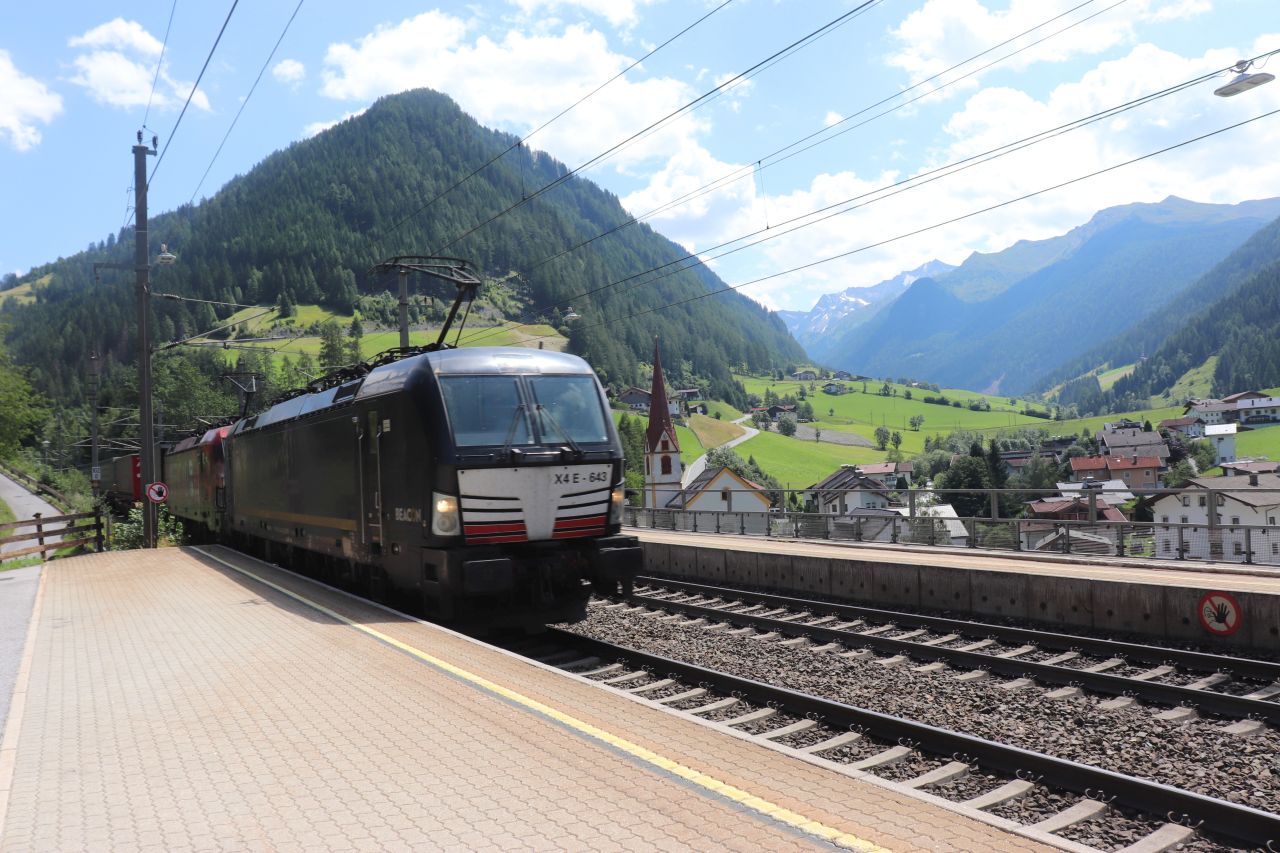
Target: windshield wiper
x,y
577,451
511,430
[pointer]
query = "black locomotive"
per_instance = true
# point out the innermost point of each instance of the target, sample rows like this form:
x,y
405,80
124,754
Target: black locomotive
x,y
486,483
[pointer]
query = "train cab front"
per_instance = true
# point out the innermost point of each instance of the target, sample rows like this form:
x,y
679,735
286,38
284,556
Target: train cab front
x,y
531,505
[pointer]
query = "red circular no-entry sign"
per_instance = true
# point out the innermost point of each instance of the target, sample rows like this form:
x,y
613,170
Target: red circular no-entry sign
x,y
157,493
1220,613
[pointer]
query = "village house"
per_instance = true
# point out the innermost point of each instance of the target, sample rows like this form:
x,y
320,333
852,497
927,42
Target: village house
x,y
721,490
889,472
1019,461
835,388
1258,410
779,410
1210,411
842,374
1250,466
636,399
1133,442
804,376
1139,473
846,490
1223,439
1189,427
1244,510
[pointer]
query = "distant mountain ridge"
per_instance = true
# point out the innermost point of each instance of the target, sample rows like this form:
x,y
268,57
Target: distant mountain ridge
x,y
1001,321
854,305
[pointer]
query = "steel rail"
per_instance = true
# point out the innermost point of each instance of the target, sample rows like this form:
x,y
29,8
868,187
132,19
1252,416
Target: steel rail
x,y
1097,682
1220,817
1186,659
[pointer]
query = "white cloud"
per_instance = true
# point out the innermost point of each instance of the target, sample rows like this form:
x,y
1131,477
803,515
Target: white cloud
x,y
832,118
291,72
942,33
119,67
1229,168
517,83
617,12
26,103
119,34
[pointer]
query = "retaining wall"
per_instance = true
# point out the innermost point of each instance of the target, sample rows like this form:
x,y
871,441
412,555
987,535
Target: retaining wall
x,y
1154,611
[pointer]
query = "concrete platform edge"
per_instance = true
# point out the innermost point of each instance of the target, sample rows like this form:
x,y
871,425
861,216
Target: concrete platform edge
x,y
17,705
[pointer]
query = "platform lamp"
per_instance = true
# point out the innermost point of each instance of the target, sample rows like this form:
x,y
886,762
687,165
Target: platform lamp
x,y
1243,81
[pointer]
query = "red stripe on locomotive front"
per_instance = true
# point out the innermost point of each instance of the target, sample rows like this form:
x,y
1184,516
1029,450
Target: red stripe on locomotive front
x,y
569,523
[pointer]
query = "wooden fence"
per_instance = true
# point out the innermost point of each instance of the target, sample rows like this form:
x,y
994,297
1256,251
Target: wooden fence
x,y
35,486
68,531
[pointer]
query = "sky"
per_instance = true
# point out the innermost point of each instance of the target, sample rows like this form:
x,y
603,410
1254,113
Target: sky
x,y
888,100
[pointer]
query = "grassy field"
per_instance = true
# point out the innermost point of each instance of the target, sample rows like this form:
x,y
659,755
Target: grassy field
x,y
712,432
25,294
6,514
1196,382
798,464
1259,442
861,413
1111,377
264,321
727,412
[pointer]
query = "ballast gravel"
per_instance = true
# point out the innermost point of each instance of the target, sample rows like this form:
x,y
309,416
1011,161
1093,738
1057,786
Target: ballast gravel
x,y
1195,756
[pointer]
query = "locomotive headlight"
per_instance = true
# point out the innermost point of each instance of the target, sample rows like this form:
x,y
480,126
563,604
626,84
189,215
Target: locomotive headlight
x,y
444,515
616,501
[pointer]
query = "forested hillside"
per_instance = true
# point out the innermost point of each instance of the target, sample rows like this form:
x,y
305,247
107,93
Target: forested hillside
x,y
1189,337
307,224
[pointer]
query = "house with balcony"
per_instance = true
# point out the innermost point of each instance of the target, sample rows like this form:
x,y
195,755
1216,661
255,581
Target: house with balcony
x,y
1210,411
1221,518
1258,410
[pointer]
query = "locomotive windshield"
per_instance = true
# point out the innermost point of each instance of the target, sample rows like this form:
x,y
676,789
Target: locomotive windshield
x,y
486,410
495,410
568,409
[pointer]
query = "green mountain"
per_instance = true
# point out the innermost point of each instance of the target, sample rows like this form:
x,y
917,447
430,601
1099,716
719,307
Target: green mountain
x,y
1231,314
308,223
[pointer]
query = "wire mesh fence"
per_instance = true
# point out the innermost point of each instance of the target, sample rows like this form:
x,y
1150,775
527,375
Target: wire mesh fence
x,y
1214,525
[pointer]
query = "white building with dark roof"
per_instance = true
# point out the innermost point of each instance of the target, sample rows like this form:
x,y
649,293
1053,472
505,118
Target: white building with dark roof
x,y
1250,502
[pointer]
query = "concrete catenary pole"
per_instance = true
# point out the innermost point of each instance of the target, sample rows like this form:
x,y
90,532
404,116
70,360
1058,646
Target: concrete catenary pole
x,y
142,265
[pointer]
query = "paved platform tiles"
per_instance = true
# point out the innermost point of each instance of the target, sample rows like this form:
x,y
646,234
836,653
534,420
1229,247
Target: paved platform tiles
x,y
1236,577
175,704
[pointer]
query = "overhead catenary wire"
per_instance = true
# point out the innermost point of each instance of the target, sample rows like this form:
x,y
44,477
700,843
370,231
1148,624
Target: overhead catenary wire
x,y
159,62
927,228
245,102
194,86
523,140
769,160
881,193
691,105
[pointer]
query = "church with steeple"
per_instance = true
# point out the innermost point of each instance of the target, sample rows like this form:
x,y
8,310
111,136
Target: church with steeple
x,y
662,467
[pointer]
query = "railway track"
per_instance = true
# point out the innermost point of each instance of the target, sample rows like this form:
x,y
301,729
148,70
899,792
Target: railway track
x,y
1189,682
921,757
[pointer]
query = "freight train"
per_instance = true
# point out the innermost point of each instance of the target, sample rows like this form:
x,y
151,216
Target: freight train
x,y
484,483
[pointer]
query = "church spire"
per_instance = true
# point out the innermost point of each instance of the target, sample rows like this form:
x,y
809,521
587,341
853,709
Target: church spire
x,y
660,425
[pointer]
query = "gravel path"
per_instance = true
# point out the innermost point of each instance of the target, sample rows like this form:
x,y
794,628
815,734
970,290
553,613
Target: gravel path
x,y
804,432
1194,756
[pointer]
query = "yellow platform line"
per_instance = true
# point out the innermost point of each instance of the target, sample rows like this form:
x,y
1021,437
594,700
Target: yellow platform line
x,y
737,795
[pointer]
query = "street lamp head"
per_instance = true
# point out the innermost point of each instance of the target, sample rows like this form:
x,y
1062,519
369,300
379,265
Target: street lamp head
x,y
1243,81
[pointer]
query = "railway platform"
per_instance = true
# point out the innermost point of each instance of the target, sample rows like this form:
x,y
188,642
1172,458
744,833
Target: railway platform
x,y
197,699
